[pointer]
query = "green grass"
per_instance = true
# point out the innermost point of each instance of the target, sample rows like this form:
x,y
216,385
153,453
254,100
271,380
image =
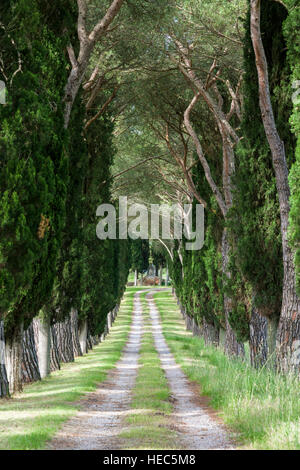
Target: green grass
x,y
260,405
149,422
30,419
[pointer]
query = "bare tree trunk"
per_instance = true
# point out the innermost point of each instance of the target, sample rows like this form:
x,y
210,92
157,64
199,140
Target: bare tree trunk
x,y
210,334
136,277
75,333
109,321
95,340
232,346
4,385
160,274
42,340
30,362
258,339
64,340
271,340
288,335
54,353
13,356
167,276
89,341
115,313
222,339
197,330
83,336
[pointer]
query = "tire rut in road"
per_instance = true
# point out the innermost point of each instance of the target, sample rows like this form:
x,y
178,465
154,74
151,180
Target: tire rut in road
x,y
99,422
196,429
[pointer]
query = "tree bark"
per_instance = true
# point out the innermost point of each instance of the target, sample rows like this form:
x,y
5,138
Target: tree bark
x,y
95,340
87,43
114,313
232,346
30,362
258,339
54,353
75,333
288,335
109,321
13,356
4,385
222,339
167,276
210,333
160,274
271,340
42,341
64,340
135,277
83,337
89,341
197,330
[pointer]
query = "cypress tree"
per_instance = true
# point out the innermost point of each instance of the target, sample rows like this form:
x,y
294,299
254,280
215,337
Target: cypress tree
x,y
256,257
34,172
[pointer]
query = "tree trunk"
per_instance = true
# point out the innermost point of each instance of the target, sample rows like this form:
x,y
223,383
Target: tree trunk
x,y
197,330
232,346
4,385
188,321
83,337
75,334
288,334
41,328
109,321
167,276
30,362
89,341
271,340
95,340
64,340
114,313
135,277
160,275
258,339
13,356
222,339
54,353
210,333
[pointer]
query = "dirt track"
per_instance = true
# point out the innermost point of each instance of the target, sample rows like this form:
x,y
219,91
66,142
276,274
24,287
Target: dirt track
x,y
100,421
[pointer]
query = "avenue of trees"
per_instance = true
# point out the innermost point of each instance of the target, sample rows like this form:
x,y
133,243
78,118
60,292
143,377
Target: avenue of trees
x,y
167,102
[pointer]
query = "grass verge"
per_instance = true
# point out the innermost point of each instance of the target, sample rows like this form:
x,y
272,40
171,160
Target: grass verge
x,y
262,406
30,419
149,423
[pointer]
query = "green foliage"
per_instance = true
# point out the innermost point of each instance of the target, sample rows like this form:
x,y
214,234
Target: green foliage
x,y
254,221
139,254
104,263
34,169
198,280
291,34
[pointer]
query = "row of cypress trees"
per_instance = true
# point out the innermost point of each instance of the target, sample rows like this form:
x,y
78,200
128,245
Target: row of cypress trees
x,y
51,261
254,286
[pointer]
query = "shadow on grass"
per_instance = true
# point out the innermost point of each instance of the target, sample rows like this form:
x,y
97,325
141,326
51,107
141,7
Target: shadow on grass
x,y
262,406
30,419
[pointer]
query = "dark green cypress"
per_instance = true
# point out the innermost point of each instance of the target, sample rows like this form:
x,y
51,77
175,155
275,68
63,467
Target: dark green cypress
x,y
256,258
